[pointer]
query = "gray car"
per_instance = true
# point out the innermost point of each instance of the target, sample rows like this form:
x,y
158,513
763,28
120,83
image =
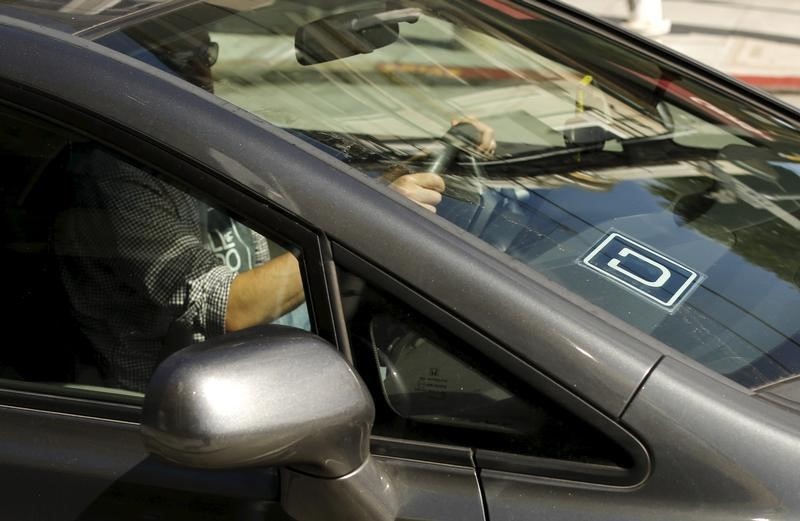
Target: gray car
x,y
534,267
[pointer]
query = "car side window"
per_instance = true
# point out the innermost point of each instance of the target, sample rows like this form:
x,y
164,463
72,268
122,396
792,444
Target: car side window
x,y
430,385
112,268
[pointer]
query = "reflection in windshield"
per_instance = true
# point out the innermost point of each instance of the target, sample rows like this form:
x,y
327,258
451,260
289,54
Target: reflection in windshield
x,y
737,226
592,139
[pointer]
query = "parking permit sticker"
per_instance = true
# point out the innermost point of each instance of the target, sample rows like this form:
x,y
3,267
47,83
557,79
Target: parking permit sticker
x,y
642,269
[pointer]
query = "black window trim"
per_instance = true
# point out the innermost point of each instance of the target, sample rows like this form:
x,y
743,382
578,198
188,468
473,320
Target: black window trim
x,y
504,359
47,399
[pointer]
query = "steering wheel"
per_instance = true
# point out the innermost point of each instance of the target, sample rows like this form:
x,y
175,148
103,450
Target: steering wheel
x,y
463,136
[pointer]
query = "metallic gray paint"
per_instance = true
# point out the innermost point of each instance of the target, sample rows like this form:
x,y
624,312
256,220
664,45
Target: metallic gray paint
x,y
366,494
580,345
717,446
61,466
35,460
434,492
419,491
270,395
788,390
744,471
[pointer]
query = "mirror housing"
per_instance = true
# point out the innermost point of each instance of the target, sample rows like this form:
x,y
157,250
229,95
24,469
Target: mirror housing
x,y
271,395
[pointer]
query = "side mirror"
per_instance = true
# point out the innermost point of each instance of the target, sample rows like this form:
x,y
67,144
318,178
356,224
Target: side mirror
x,y
347,34
272,395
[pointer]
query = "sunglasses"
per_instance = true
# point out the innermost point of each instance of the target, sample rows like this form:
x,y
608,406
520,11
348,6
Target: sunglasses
x,y
206,54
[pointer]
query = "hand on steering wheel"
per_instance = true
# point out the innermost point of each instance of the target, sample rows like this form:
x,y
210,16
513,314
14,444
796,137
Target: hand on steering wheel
x,y
486,145
469,134
426,188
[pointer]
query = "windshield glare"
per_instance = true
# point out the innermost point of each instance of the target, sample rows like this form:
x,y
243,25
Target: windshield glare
x,y
664,202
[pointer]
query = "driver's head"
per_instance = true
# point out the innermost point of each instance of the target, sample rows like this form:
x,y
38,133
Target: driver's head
x,y
189,53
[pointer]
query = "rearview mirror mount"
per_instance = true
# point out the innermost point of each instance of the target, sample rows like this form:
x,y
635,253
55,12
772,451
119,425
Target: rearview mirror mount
x,y
348,34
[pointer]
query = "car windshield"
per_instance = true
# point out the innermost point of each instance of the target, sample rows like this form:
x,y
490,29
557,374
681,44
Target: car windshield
x,y
648,192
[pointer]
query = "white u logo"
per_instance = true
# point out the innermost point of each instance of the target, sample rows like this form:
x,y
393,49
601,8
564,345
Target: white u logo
x,y
657,283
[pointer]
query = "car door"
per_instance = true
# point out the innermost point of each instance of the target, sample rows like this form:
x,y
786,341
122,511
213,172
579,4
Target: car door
x,y
436,474
72,446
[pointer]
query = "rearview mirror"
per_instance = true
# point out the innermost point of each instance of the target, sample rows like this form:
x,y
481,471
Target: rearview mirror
x,y
349,34
272,395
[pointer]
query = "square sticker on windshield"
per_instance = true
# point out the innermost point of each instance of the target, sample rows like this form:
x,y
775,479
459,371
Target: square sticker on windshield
x,y
642,269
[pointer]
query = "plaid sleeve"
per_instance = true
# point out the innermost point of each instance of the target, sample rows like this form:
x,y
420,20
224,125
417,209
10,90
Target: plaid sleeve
x,y
207,298
159,246
261,247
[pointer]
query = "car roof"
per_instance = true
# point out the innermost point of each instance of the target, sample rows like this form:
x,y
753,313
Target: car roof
x,y
84,16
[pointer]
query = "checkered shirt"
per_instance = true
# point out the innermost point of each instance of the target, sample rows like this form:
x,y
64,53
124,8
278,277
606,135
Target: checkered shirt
x,y
137,267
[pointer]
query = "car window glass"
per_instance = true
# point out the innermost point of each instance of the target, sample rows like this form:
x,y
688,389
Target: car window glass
x,y
111,267
432,386
422,381
654,196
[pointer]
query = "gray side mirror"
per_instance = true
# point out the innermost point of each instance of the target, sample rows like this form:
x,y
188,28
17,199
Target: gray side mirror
x,y
271,395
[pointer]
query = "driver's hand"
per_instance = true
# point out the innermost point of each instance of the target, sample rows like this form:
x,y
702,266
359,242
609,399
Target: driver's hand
x,y
424,188
487,144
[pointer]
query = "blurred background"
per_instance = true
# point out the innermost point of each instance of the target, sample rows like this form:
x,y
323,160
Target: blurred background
x,y
756,41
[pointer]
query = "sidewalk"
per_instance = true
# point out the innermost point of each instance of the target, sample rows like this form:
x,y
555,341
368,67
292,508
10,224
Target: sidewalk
x,y
758,43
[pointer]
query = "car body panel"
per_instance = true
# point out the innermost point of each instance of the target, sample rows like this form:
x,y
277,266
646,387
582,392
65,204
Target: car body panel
x,y
788,390
748,468
455,488
66,466
59,466
431,491
742,472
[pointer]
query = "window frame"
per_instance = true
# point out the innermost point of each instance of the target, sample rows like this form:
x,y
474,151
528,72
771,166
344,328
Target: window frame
x,y
252,209
533,378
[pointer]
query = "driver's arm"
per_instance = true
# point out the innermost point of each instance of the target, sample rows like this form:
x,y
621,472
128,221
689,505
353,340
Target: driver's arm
x,y
274,288
426,188
264,293
271,290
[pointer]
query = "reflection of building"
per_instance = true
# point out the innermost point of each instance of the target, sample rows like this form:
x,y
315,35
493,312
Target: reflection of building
x,y
88,6
647,17
729,185
91,12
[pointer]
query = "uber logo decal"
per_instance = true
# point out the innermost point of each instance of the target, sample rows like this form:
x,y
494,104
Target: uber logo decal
x,y
642,269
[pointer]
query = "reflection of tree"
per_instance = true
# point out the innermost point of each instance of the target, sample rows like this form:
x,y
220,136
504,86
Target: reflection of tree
x,y
754,234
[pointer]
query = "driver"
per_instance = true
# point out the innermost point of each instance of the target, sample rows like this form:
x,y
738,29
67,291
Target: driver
x,y
141,261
